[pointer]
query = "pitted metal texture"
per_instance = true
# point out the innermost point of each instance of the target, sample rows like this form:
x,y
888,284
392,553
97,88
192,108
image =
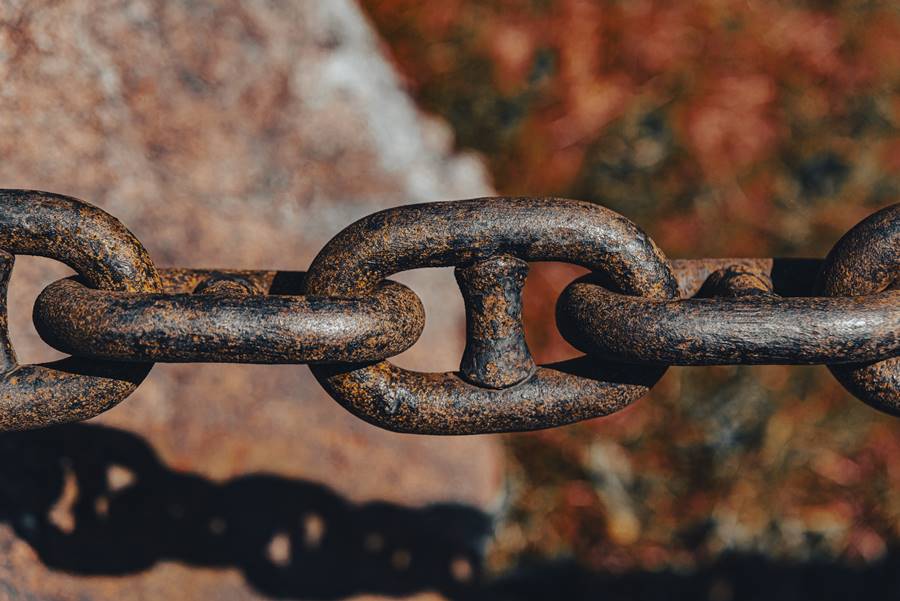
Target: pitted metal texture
x,y
634,315
107,256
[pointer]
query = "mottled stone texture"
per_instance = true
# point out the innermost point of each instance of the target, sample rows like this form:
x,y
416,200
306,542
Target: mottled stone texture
x,y
238,135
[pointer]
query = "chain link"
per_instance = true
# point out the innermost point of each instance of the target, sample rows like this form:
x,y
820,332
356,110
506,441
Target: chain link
x,y
634,315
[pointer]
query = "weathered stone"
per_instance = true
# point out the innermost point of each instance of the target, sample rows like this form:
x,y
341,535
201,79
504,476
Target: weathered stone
x,y
239,135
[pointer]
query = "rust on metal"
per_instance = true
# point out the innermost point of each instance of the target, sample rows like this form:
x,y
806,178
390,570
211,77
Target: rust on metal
x,y
227,316
789,276
443,403
460,234
736,281
864,264
634,315
496,354
735,317
107,256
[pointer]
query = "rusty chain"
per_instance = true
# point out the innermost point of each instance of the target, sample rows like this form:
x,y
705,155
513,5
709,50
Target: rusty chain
x,y
634,315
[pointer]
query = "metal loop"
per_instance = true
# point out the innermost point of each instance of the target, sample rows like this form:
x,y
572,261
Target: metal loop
x,y
743,322
462,233
232,316
107,256
865,262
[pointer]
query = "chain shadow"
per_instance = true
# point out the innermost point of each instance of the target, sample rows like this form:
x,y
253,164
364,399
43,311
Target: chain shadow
x,y
94,500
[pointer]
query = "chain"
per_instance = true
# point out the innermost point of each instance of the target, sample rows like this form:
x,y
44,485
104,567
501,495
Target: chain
x,y
634,315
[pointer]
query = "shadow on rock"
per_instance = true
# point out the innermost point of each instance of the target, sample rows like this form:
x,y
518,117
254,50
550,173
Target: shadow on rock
x,y
95,500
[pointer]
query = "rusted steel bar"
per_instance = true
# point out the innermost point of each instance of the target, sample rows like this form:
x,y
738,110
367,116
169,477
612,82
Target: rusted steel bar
x,y
462,233
107,256
496,354
864,263
87,239
228,316
740,322
443,403
442,234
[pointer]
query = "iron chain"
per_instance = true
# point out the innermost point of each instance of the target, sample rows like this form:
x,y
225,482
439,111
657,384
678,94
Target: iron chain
x,y
634,315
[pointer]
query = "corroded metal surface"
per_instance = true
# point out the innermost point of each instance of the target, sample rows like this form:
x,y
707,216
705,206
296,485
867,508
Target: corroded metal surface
x,y
228,316
864,264
107,256
464,232
789,276
461,232
496,354
634,315
739,321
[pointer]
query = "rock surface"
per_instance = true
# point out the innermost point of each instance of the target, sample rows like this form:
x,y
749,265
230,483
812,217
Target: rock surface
x,y
239,135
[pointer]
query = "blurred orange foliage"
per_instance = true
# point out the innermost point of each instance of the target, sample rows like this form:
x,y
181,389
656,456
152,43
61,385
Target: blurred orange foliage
x,y
724,128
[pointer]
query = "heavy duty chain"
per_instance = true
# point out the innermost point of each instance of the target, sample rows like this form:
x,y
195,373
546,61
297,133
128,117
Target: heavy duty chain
x,y
635,314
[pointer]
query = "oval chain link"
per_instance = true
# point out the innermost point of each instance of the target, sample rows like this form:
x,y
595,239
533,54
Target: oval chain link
x,y
108,257
227,316
864,265
488,241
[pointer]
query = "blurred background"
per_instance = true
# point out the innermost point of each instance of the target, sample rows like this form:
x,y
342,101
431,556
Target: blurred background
x,y
246,134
